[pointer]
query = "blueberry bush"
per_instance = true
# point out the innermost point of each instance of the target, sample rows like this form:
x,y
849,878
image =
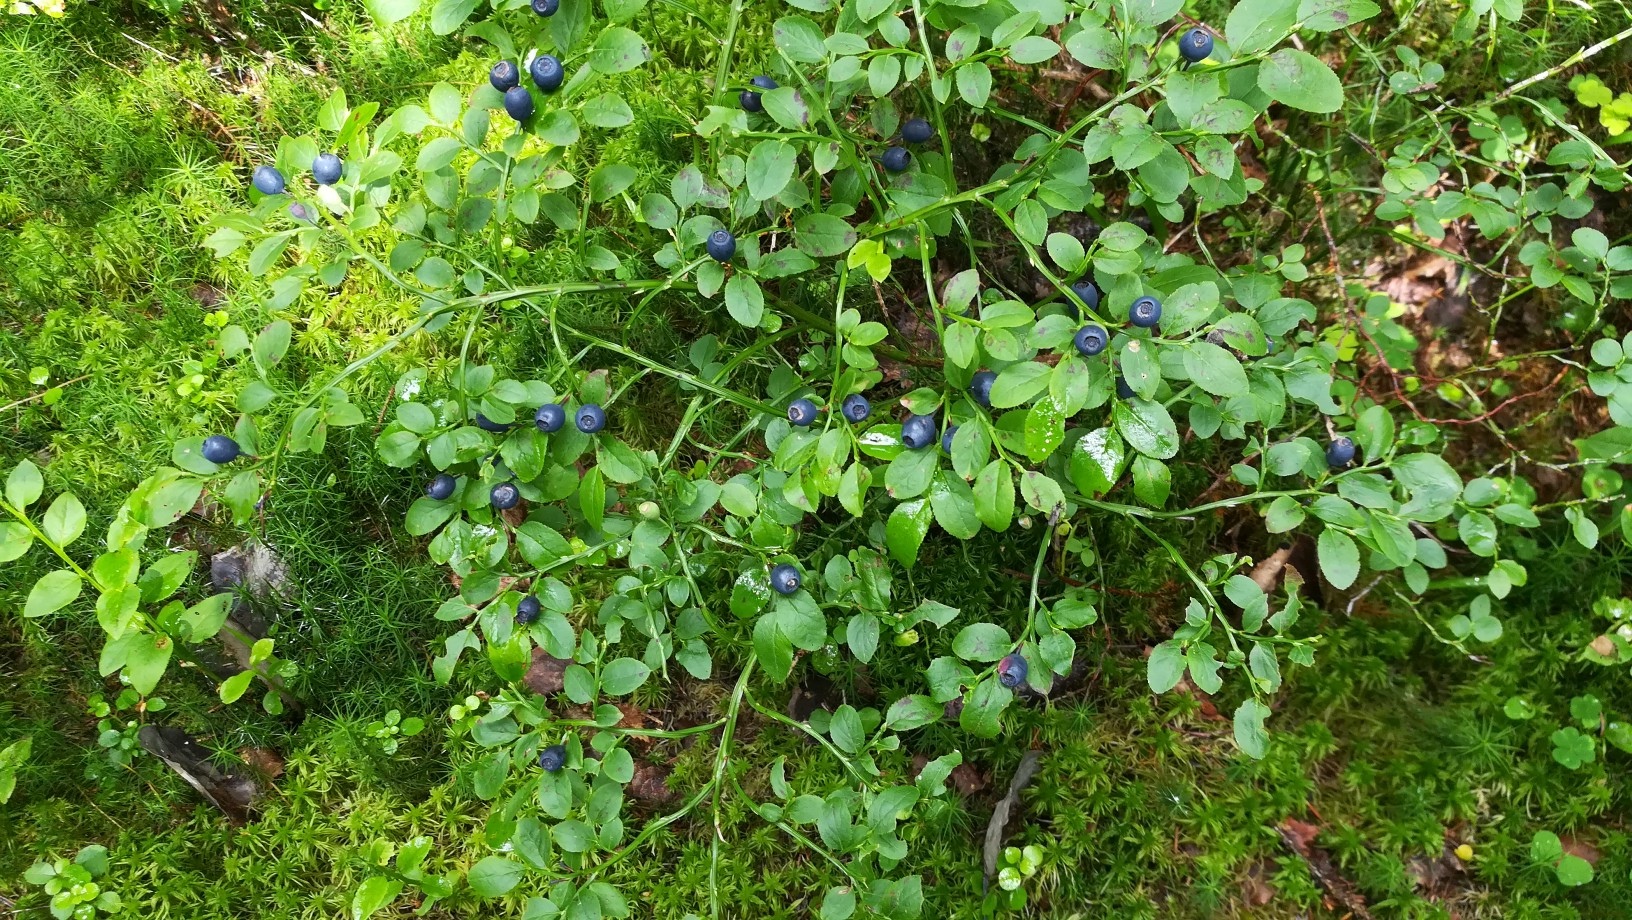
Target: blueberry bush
x,y
695,431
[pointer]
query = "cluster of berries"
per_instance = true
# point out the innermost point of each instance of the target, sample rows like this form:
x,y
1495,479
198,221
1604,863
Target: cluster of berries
x,y
550,418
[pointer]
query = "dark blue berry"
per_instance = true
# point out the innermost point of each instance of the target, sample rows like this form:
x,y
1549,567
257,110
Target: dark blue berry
x,y
762,82
856,408
802,412
1196,45
504,496
553,758
916,131
918,431
1145,312
1123,391
218,448
527,610
487,424
896,159
550,417
326,169
785,579
441,488
1340,453
1012,670
546,7
946,439
590,418
504,76
721,245
981,387
519,103
547,72
750,101
267,180
1087,293
1090,340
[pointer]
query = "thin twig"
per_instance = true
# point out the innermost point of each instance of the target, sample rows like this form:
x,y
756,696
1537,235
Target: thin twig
x,y
28,399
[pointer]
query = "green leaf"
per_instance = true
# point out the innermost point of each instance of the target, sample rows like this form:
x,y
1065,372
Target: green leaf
x,y
494,876
983,711
623,676
448,15
1250,736
618,50
770,166
954,505
994,496
148,656
1147,427
1339,557
904,532
52,592
823,235
373,895
982,642
24,485
1165,666
1033,49
64,521
271,345
800,39
1215,370
744,300
1331,15
386,12
1300,80
1019,383
15,539
1256,25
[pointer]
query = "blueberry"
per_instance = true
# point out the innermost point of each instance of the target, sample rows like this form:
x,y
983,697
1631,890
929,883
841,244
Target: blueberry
x,y
267,180
1145,312
549,418
786,579
527,610
504,496
1196,45
896,159
750,101
326,169
918,431
721,245
553,758
981,387
1090,340
590,418
802,412
1087,293
441,488
856,408
546,7
763,82
1123,391
487,424
1340,453
916,131
547,72
519,103
1012,670
218,448
504,76
946,439
300,212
